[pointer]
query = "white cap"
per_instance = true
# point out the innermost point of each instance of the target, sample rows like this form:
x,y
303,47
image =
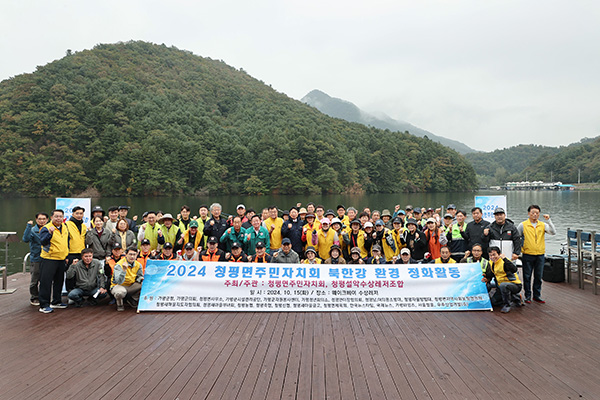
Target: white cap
x,y
325,221
336,220
368,224
240,206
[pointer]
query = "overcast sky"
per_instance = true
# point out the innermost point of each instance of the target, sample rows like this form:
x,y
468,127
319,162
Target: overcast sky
x,y
489,73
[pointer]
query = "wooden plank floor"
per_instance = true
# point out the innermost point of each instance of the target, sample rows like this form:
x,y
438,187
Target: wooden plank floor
x,y
549,351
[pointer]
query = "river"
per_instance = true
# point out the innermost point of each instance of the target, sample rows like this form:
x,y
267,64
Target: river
x,y
576,210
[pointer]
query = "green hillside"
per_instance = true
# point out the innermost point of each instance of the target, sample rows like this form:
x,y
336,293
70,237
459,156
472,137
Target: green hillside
x,y
143,119
565,164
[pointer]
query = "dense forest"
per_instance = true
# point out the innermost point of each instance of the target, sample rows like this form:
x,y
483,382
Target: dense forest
x,y
535,162
143,119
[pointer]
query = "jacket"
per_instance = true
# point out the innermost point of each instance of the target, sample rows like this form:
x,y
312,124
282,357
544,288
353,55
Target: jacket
x,y
130,240
505,236
290,258
100,244
417,243
126,275
276,233
32,236
503,270
87,278
473,234
261,236
231,236
294,233
217,229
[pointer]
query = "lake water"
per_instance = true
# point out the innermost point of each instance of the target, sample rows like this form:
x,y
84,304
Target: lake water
x,y
575,210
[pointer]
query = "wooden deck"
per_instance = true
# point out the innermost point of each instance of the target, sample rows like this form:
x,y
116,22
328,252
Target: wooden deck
x,y
549,351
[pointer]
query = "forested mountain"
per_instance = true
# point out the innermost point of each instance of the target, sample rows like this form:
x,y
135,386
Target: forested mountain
x,y
348,111
144,119
535,162
564,165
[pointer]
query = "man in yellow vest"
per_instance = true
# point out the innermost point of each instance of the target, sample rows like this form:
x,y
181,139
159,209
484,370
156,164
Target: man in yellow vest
x,y
273,225
77,231
505,279
54,237
533,233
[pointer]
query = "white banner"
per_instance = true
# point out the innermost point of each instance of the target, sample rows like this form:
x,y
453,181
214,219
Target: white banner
x,y
210,286
67,204
488,204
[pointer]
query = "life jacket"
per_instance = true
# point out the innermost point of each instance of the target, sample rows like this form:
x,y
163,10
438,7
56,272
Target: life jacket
x,y
450,261
76,238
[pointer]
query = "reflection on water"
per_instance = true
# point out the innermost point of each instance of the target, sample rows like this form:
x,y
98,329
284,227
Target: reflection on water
x,y
576,210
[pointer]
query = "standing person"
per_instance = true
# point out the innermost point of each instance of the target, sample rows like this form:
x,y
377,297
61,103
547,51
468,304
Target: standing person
x,y
273,224
503,234
216,225
123,236
98,240
534,232
89,278
32,236
192,235
456,236
149,230
474,230
341,214
168,232
256,233
123,211
113,218
325,239
202,221
126,282
96,211
184,218
77,233
292,229
414,240
54,238
435,238
233,234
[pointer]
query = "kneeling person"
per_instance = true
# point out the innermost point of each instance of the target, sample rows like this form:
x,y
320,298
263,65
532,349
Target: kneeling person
x,y
506,279
89,279
127,280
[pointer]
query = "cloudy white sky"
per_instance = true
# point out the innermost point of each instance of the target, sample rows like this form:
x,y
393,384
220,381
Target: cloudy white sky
x,y
489,73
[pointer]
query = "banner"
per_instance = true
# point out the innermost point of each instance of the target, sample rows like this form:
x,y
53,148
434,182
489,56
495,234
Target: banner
x,y
211,286
67,204
488,204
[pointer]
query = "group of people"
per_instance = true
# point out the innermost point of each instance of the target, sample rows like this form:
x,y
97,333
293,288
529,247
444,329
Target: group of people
x,y
108,256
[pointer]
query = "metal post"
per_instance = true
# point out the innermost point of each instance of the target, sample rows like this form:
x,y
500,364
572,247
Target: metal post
x,y
579,259
6,237
593,255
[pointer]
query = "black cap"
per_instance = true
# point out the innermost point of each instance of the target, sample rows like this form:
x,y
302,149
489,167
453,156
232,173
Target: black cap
x,y
236,245
356,221
113,208
189,245
260,245
124,207
145,241
397,220
168,246
97,209
286,241
340,206
330,212
499,210
411,221
213,239
117,246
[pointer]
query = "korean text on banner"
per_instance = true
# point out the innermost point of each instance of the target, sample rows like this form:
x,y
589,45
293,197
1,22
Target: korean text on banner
x,y
67,204
488,204
210,286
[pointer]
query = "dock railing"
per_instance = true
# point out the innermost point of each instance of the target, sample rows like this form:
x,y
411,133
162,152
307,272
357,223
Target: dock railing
x,y
582,257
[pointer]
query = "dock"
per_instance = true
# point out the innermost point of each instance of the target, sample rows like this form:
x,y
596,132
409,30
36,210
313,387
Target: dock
x,y
540,351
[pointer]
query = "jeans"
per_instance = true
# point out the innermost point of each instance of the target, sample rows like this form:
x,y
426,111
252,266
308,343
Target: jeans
x,y
52,276
503,293
533,264
35,280
77,294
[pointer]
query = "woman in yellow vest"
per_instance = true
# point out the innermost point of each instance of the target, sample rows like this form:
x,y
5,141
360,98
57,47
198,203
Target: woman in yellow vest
x,y
54,237
506,280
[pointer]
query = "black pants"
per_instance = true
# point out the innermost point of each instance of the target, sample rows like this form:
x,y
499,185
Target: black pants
x,y
52,276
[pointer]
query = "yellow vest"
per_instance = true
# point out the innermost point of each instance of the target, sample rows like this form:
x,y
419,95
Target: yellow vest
x,y
186,239
498,270
76,240
450,261
58,249
151,233
534,242
169,234
325,241
276,234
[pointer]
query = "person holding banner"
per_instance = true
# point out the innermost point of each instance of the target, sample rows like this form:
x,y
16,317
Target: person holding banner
x,y
405,257
237,254
212,253
311,256
189,253
476,256
444,257
260,252
505,279
127,280
166,253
